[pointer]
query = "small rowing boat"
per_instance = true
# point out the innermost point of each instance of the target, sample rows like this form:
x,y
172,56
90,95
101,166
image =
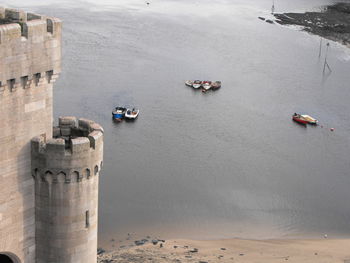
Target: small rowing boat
x,y
189,83
216,85
197,84
206,85
119,113
309,119
299,119
132,114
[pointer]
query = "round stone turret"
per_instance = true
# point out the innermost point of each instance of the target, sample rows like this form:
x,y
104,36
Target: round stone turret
x,y
66,170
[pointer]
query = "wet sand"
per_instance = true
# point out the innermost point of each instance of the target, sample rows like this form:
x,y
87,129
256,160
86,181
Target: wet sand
x,y
235,250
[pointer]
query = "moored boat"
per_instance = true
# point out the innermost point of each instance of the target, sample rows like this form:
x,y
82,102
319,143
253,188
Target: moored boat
x,y
206,85
132,114
119,113
309,119
197,84
299,119
189,83
216,85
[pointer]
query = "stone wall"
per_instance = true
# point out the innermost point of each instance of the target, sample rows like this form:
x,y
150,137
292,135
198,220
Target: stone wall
x,y
66,170
30,56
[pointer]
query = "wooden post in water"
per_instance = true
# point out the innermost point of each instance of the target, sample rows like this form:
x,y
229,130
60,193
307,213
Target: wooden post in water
x,y
325,60
273,7
320,51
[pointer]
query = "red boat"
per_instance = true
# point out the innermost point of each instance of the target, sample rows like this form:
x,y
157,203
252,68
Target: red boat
x,y
299,119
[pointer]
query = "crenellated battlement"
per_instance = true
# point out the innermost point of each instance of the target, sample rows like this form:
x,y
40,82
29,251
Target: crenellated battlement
x,y
74,153
16,23
30,45
71,136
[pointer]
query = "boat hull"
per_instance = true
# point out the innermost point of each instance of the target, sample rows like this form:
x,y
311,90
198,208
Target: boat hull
x,y
189,83
309,119
131,115
300,120
216,85
119,113
206,87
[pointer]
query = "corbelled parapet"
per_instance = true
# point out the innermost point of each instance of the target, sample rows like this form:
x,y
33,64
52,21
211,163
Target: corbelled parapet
x,y
30,49
76,147
66,170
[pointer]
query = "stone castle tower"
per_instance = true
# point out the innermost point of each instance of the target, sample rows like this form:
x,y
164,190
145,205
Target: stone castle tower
x,y
49,175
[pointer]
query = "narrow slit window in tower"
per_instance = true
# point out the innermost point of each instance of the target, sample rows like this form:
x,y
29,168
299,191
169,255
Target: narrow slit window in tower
x,y
87,219
49,27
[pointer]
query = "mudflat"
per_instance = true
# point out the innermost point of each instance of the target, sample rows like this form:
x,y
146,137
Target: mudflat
x,y
235,250
332,23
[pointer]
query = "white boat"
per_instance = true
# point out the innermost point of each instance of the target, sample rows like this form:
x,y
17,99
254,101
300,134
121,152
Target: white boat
x,y
309,119
132,114
189,83
206,85
197,84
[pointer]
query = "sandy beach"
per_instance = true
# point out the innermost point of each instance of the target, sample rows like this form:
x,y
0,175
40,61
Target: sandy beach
x,y
235,250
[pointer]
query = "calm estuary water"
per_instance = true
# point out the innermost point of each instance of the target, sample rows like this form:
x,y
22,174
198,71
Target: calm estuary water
x,y
224,164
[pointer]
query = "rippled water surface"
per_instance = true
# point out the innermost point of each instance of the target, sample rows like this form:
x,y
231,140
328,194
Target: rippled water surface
x,y
224,164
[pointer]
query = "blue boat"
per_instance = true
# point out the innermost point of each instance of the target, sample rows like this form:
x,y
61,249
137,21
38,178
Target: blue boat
x,y
119,113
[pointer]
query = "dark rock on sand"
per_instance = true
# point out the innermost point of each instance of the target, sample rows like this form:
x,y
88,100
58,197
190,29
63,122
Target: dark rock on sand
x,y
140,242
100,251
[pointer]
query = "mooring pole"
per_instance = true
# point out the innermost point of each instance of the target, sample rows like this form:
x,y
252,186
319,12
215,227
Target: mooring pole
x,y
273,7
325,60
320,51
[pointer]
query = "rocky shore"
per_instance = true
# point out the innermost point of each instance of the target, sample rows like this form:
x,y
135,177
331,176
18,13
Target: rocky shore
x,y
232,250
332,23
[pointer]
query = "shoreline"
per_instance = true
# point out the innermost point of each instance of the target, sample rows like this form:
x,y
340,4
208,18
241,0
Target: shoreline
x,y
332,23
233,250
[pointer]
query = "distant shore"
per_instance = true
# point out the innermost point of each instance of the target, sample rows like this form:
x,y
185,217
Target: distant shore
x,y
332,23
234,250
